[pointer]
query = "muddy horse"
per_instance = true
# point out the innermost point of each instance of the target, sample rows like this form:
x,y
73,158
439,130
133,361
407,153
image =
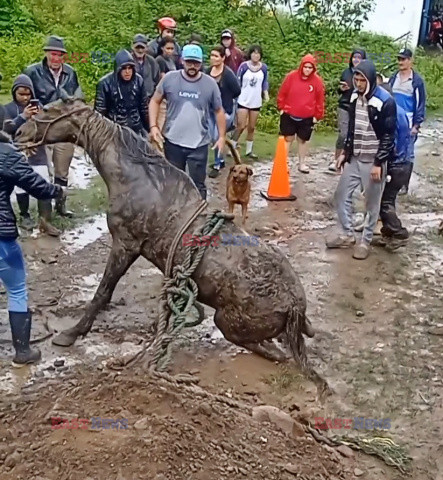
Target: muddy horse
x,y
255,292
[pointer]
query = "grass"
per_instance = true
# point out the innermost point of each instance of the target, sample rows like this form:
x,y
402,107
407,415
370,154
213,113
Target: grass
x,y
84,203
265,144
284,381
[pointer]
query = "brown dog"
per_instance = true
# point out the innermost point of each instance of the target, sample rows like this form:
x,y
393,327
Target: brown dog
x,y
238,188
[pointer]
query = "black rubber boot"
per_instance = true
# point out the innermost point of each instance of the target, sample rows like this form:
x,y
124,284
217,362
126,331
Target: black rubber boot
x,y
60,204
45,214
23,205
21,333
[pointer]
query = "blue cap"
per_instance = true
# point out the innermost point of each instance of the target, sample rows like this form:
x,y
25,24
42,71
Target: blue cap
x,y
192,52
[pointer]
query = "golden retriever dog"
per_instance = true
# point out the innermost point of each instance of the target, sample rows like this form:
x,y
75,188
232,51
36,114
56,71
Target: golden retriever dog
x,y
238,188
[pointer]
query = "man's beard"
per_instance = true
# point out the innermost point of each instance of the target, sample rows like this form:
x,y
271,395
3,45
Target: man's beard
x,y
192,72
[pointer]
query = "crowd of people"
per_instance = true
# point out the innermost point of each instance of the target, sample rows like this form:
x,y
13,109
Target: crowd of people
x,y
165,92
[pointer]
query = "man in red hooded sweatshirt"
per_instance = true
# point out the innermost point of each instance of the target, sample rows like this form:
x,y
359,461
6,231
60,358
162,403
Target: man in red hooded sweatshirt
x,y
301,100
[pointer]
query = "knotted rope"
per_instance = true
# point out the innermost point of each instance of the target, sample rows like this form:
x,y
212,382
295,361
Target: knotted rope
x,y
179,291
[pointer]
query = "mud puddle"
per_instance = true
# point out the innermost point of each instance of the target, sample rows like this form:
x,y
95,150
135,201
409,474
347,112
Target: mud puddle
x,y
373,322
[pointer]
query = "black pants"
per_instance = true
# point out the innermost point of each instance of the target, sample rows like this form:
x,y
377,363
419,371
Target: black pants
x,y
392,226
195,158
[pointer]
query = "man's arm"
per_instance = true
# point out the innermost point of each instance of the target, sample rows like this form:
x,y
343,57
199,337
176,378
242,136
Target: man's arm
x,y
420,104
387,141
320,100
100,104
154,107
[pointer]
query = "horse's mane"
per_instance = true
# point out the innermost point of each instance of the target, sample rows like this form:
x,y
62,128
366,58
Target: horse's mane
x,y
135,147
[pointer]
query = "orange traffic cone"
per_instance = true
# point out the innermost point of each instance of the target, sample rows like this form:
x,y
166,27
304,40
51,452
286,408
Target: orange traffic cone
x,y
279,185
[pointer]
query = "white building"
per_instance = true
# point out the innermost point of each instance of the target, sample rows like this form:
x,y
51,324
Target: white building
x,y
397,18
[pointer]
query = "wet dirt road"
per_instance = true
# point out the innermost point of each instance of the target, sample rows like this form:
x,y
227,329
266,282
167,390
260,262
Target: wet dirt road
x,y
379,344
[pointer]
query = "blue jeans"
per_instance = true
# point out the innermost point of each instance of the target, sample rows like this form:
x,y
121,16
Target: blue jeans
x,y
13,275
195,158
213,131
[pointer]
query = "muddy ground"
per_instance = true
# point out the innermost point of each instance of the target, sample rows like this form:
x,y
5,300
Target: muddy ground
x,y
379,345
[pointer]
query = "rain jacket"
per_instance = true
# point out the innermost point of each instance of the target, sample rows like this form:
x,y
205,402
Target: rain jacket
x,y
302,97
347,77
125,103
44,84
14,118
415,104
382,112
15,170
236,58
149,71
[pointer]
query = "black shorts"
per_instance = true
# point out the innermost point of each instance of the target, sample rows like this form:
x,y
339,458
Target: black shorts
x,y
301,128
246,108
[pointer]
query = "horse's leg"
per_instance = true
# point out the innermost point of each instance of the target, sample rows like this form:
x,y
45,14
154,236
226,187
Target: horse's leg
x,y
120,259
265,349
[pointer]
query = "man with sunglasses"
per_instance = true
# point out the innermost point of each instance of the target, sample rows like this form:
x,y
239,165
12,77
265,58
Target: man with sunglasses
x,y
121,95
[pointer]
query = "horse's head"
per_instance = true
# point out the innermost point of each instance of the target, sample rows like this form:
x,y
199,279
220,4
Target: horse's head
x,y
60,121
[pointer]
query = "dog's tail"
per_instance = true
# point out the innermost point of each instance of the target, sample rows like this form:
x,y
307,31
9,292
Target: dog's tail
x,y
295,325
233,151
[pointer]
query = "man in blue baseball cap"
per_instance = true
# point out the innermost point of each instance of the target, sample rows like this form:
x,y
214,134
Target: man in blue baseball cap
x,y
191,97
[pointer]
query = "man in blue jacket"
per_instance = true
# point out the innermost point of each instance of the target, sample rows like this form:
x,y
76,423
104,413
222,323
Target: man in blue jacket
x,y
369,146
409,92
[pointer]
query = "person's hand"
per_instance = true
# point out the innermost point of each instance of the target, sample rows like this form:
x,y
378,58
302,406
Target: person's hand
x,y
344,86
376,174
414,130
339,163
219,144
266,96
314,120
30,111
156,137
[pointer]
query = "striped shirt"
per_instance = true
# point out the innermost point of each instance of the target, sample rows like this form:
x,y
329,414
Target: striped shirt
x,y
403,92
365,141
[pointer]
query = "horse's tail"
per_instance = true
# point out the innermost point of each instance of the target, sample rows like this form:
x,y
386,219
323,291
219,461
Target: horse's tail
x,y
295,325
294,328
233,151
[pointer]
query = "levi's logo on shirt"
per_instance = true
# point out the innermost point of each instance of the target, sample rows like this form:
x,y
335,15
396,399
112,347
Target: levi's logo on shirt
x,y
189,95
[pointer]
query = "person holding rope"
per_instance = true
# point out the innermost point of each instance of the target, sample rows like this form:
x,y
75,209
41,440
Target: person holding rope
x,y
16,171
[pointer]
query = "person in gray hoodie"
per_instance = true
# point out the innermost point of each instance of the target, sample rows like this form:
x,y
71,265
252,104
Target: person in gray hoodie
x,y
16,114
345,90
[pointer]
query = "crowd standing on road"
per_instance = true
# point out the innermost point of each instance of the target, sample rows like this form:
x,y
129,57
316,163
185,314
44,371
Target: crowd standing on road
x,y
166,93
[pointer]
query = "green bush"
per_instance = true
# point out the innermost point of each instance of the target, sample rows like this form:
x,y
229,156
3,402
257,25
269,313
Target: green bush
x,y
108,25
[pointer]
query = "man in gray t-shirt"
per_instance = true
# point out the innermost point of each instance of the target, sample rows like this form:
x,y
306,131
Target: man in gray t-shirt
x,y
190,96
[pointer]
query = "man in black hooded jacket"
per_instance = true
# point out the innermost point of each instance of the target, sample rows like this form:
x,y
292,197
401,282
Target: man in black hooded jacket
x,y
345,89
121,96
369,145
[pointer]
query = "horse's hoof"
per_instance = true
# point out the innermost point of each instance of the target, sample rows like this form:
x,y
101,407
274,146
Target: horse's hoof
x,y
66,338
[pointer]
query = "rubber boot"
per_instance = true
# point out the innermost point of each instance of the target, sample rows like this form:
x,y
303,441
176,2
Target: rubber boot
x,y
21,334
23,204
45,214
60,204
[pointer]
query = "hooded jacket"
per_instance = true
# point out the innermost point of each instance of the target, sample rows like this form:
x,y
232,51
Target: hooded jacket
x,y
14,118
149,70
44,84
15,170
347,76
125,103
382,112
302,97
236,57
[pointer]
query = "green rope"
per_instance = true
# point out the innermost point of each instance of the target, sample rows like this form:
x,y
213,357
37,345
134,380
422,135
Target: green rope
x,y
179,294
383,447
